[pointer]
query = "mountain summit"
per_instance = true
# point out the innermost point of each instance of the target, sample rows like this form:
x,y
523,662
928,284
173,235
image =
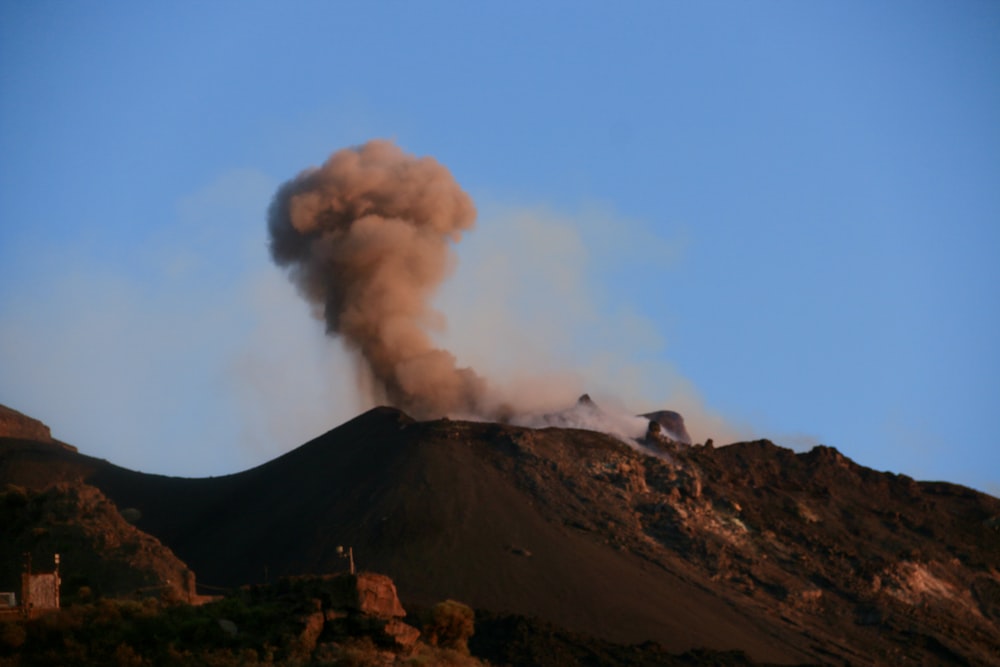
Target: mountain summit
x,y
791,558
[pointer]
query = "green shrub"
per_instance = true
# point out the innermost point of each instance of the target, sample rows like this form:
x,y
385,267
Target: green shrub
x,y
131,515
84,594
358,653
429,656
126,656
12,635
450,626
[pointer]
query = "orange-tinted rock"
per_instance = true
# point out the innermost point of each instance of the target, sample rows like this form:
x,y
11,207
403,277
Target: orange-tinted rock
x,y
404,635
15,425
672,422
377,596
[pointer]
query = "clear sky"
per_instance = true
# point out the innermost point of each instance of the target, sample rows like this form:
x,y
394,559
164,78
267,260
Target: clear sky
x,y
787,214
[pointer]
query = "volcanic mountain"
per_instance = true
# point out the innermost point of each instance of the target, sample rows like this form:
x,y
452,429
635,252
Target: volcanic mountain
x,y
792,558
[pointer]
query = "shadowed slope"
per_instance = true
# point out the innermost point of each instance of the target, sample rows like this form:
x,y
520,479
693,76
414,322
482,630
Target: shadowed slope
x,y
790,557
443,508
100,551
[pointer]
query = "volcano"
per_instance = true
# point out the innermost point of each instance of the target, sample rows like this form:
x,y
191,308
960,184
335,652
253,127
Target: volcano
x,y
788,557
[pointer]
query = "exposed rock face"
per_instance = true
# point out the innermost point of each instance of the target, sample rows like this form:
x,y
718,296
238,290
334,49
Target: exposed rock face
x,y
656,437
100,551
671,422
365,593
791,558
402,634
376,596
335,607
13,424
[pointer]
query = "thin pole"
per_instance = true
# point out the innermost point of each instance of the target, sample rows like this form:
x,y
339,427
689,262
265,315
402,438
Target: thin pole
x,y
26,585
56,581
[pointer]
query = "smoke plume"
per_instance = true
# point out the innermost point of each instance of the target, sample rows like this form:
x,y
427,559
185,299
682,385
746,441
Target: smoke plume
x,y
367,238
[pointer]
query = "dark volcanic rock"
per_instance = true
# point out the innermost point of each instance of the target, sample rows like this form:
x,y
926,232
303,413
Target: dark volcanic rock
x,y
790,558
512,641
336,607
366,593
672,422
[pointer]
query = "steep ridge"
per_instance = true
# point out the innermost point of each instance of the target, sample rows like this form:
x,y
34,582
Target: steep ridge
x,y
102,555
14,424
790,557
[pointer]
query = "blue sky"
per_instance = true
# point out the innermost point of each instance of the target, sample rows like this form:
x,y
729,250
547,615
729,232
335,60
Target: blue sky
x,y
786,214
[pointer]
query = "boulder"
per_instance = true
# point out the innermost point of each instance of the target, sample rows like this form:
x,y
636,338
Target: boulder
x,y
377,596
655,436
365,593
344,605
404,636
671,422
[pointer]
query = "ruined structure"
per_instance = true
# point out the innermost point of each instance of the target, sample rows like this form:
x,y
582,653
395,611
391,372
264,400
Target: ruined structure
x,y
39,590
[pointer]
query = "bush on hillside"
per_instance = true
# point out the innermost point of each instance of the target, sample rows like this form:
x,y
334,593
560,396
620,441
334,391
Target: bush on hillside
x,y
450,626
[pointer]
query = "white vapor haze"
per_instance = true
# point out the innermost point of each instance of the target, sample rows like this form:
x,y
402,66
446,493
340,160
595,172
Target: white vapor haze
x,y
530,307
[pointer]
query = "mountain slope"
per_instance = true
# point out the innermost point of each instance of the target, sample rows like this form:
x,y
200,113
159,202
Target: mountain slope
x,y
441,508
101,553
790,557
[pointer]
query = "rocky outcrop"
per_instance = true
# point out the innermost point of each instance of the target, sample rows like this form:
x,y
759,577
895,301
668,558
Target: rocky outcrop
x,y
13,424
791,557
17,426
333,608
672,425
656,437
101,554
375,595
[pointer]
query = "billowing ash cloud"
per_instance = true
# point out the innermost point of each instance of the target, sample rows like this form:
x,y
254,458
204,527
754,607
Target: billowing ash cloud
x,y
366,238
